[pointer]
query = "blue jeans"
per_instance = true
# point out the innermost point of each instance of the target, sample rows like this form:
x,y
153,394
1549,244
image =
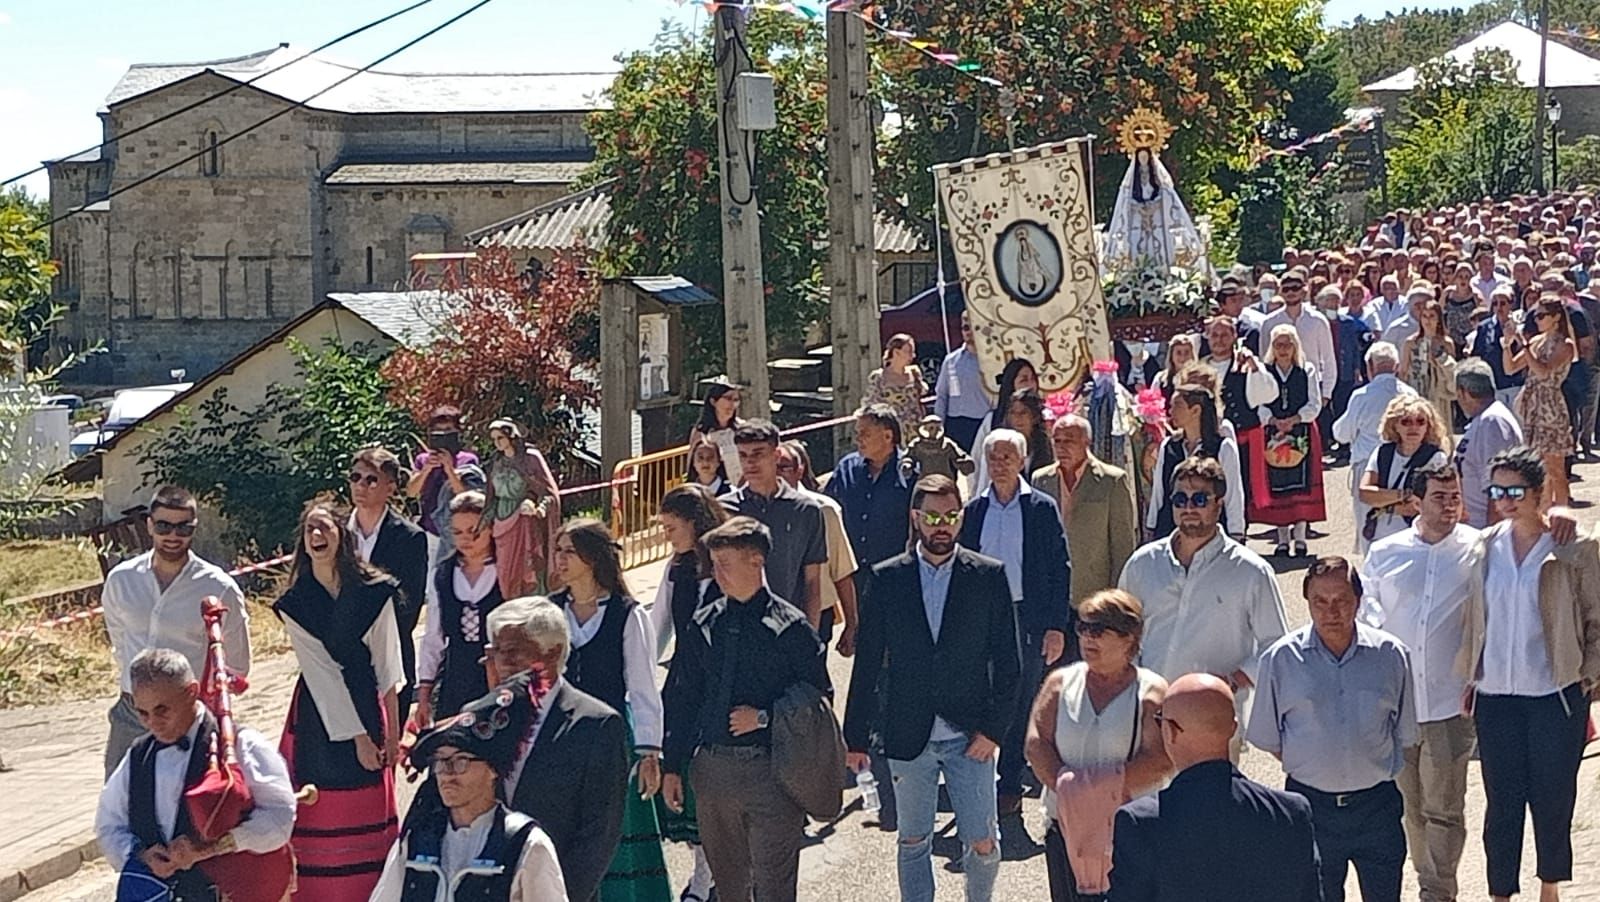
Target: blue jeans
x,y
916,791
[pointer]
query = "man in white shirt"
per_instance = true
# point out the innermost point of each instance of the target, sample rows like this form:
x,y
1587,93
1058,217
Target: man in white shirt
x,y
1487,280
1491,428
1402,328
1416,586
1361,425
153,601
142,823
1211,605
1316,337
1386,308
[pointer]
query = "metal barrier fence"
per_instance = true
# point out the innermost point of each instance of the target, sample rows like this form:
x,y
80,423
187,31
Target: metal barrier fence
x,y
639,483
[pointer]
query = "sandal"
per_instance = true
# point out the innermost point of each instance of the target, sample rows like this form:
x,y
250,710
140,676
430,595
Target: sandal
x,y
1282,550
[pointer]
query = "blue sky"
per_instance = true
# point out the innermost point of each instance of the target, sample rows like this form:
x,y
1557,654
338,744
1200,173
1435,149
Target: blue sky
x,y
59,58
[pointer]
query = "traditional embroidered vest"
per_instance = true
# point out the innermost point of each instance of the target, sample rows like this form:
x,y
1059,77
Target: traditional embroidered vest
x,y
487,878
461,677
186,886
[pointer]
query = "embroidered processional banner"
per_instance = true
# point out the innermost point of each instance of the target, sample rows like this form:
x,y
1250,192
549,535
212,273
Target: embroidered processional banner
x,y
1022,227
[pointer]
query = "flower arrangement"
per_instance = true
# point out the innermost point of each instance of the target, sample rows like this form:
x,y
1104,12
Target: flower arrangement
x,y
1153,290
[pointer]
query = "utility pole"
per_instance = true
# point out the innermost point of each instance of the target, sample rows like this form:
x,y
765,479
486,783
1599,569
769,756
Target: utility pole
x,y
852,242
744,297
1539,99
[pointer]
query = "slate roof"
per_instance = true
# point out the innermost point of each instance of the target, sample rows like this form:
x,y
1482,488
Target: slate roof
x,y
379,91
582,217
456,173
1565,67
674,290
411,318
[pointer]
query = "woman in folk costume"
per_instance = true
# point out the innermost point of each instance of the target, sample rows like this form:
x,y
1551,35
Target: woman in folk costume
x,y
473,847
524,504
1286,471
343,731
466,587
613,658
687,513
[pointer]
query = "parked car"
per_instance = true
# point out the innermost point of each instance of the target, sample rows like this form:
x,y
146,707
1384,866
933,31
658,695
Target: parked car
x,y
128,407
928,323
70,402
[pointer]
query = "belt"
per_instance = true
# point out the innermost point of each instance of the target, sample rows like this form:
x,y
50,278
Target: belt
x,y
736,751
1339,799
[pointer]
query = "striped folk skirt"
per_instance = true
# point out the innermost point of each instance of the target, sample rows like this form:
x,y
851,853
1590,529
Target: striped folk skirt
x,y
638,871
341,842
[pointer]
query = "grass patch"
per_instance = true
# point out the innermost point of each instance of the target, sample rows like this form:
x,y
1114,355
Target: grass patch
x,y
44,666
30,566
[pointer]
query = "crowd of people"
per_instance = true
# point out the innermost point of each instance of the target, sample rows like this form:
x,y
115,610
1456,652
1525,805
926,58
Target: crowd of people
x,y
1038,593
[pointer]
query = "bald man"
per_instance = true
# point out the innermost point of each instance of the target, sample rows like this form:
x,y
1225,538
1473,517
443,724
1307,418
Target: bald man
x,y
1212,835
1097,507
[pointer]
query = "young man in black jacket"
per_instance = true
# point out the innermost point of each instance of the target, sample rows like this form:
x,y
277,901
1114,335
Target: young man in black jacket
x,y
939,636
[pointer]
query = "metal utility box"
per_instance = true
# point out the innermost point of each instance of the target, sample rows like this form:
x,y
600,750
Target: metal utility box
x,y
755,108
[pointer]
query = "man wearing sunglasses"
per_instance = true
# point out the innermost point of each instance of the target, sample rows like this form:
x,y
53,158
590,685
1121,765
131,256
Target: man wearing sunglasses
x,y
153,601
386,539
1211,605
939,637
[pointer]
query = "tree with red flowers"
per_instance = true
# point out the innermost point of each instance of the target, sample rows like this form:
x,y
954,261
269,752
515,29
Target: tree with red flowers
x,y
512,347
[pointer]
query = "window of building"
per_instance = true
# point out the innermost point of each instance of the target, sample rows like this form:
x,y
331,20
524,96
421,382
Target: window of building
x,y
211,160
369,265
907,280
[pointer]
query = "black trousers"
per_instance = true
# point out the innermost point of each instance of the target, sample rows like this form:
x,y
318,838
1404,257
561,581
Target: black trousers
x,y
1013,765
1530,749
1362,828
1063,883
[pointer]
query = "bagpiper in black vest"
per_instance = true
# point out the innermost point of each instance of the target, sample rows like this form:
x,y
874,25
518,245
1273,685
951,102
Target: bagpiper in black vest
x,y
487,878
461,676
190,885
596,667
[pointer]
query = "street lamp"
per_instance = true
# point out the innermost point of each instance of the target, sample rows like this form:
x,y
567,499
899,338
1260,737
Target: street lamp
x,y
1552,110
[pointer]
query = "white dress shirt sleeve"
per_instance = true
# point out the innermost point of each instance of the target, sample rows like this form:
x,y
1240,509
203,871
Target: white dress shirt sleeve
x,y
661,613
1313,406
236,628
114,605
539,877
1344,428
1326,362
1260,389
1228,456
639,671
383,640
941,388
111,828
1158,488
430,653
271,821
392,884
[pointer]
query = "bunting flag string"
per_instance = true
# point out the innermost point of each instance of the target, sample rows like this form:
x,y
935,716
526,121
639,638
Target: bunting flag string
x,y
817,10
1361,121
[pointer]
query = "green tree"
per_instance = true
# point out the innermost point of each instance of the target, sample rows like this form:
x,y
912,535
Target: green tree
x,y
255,467
26,269
658,143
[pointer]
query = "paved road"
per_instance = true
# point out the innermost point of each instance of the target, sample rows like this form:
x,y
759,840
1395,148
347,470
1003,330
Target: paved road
x,y
852,860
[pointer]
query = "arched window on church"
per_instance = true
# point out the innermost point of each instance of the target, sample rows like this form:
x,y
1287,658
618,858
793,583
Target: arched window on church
x,y
211,160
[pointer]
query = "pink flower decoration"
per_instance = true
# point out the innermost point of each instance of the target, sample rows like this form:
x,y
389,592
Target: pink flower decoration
x,y
1151,405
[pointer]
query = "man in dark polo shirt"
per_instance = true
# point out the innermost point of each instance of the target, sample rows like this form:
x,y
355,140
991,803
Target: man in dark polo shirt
x,y
799,540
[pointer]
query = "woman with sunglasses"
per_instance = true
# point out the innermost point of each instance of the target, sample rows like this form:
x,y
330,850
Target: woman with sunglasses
x,y
1541,406
1428,359
523,503
1414,438
1530,645
466,589
343,729
613,658
719,416
1094,744
687,513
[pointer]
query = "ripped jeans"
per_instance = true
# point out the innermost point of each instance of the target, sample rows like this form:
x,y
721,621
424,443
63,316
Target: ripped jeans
x,y
972,795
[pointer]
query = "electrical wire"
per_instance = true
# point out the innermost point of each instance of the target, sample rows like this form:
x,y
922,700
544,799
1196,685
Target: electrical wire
x,y
727,31
279,114
221,94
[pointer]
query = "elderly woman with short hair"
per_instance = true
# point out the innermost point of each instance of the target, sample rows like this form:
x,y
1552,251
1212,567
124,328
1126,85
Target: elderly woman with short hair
x,y
1094,743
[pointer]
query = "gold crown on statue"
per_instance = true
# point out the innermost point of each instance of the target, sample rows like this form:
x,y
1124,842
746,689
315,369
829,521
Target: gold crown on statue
x,y
1144,129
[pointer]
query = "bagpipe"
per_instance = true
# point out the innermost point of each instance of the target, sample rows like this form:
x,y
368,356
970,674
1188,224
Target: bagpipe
x,y
217,803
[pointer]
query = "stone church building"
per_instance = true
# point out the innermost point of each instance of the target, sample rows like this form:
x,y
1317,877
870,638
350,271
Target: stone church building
x,y
188,269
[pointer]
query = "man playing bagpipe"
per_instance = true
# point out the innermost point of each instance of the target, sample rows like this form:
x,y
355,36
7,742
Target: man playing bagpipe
x,y
473,846
144,824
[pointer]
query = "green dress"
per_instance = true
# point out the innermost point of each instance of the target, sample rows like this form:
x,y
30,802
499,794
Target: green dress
x,y
638,871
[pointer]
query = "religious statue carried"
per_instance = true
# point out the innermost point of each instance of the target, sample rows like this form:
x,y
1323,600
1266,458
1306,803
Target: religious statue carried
x,y
1155,273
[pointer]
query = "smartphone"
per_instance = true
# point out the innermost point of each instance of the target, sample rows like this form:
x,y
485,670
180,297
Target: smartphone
x,y
449,442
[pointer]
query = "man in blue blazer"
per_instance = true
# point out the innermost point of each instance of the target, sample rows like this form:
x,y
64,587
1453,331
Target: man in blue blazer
x,y
1212,835
1022,529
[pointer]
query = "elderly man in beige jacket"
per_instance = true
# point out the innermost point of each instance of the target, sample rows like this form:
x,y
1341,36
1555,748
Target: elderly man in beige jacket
x,y
1097,508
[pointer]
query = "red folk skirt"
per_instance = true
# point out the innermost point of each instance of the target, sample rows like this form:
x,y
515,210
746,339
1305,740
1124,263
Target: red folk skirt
x,y
1282,508
341,842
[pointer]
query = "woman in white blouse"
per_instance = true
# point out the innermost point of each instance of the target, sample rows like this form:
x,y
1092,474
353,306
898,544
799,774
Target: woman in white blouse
x,y
1531,646
466,588
1286,470
1094,743
1197,429
1414,438
613,658
343,731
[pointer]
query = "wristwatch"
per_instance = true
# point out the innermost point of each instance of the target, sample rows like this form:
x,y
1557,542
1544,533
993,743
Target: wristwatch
x,y
763,720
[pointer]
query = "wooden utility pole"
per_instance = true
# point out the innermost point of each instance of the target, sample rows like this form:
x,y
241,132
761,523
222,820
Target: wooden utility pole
x,y
1539,99
852,277
743,289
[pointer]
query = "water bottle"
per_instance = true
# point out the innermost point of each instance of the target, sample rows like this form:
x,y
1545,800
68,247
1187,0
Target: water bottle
x,y
868,784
